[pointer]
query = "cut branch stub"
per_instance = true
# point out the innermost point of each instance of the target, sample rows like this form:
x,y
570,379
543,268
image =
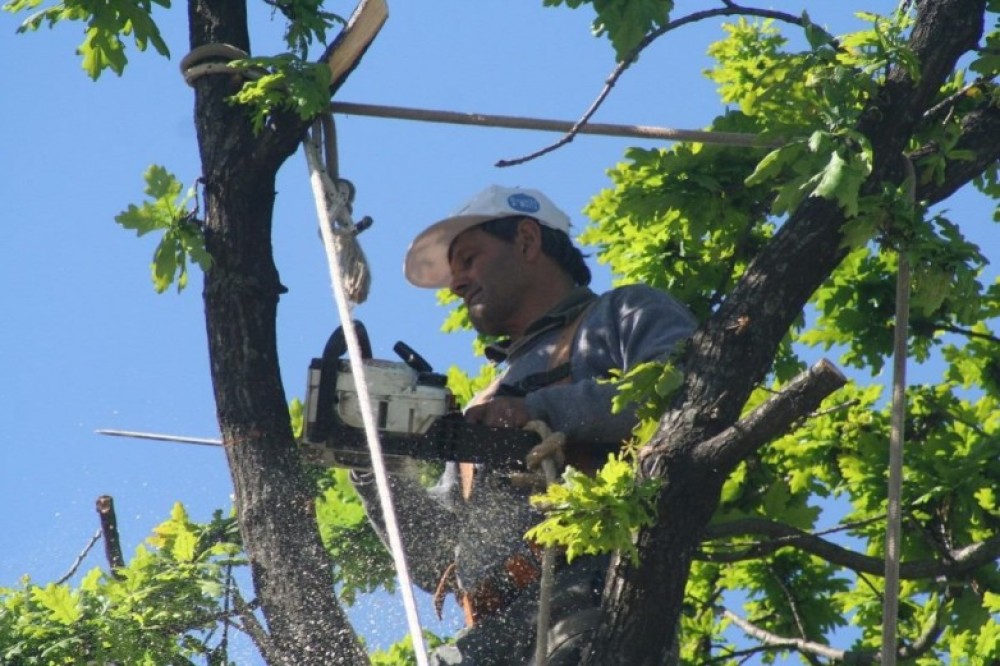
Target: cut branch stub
x,y
109,529
796,400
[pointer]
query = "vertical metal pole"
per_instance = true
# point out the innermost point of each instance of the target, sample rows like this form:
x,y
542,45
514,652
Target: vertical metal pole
x,y
893,534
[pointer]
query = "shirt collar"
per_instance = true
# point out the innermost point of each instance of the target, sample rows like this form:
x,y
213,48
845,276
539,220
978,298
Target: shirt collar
x,y
564,312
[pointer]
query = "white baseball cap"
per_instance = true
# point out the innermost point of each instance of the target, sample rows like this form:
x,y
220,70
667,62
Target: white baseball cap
x,y
426,263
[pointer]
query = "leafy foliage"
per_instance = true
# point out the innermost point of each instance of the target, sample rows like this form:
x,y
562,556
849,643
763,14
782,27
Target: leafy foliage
x,y
107,22
182,233
649,386
401,653
689,219
361,562
282,83
600,514
165,607
307,21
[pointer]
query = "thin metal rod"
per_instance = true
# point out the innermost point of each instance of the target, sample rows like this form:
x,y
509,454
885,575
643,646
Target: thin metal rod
x,y
519,122
894,518
897,438
203,441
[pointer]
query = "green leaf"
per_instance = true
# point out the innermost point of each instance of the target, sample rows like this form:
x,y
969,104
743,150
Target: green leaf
x,y
185,546
182,237
285,83
60,601
106,24
591,515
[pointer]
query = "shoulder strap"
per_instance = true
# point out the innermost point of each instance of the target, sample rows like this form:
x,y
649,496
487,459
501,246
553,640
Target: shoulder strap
x,y
559,360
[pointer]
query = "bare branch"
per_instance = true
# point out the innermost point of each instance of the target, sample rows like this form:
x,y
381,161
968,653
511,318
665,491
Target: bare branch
x,y
809,649
79,558
967,333
801,645
729,9
961,560
252,626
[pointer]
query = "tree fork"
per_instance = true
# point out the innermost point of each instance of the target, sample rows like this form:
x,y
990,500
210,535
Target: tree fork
x,y
733,351
291,570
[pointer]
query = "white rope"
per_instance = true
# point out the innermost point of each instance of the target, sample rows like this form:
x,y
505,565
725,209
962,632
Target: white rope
x,y
325,215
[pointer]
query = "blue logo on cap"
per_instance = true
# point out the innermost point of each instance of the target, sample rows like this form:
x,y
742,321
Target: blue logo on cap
x,y
524,203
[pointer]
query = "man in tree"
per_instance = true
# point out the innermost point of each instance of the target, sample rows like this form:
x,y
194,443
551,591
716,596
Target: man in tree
x,y
508,255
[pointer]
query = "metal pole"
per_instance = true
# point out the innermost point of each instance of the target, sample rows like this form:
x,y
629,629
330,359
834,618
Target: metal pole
x,y
519,122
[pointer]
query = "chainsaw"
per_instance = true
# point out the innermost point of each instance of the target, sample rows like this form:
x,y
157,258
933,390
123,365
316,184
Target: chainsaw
x,y
415,413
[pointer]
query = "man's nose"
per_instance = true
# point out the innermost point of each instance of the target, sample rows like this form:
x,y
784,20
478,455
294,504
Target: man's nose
x,y
459,283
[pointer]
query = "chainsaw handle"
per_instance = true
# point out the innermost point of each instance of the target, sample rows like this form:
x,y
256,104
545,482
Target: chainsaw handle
x,y
336,344
411,357
336,347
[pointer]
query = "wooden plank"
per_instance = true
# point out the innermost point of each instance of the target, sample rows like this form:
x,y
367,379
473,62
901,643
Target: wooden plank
x,y
346,50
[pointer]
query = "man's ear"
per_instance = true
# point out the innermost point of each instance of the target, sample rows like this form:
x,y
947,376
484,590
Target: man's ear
x,y
528,240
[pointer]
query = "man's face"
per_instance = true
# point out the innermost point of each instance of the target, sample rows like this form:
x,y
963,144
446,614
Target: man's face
x,y
486,272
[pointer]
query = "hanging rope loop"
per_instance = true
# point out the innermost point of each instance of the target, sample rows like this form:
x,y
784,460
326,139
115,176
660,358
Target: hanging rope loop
x,y
337,196
215,59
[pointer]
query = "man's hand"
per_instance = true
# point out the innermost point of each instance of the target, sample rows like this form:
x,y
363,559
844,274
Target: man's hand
x,y
503,412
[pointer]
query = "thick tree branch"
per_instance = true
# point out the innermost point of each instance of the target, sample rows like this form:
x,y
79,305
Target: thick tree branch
x,y
956,562
291,569
796,400
733,351
980,136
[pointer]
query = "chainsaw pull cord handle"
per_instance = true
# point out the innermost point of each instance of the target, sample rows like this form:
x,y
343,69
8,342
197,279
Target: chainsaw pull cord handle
x,y
545,455
333,209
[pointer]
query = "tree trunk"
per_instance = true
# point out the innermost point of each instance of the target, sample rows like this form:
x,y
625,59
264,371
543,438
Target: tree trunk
x,y
734,350
291,570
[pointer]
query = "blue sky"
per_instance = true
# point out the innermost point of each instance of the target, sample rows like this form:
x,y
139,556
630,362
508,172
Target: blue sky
x,y
88,344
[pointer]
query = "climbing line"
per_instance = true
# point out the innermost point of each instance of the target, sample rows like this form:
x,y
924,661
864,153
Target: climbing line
x,y
894,491
332,224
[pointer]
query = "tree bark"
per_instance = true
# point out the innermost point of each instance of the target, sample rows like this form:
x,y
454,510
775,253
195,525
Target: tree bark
x,y
109,530
290,568
734,349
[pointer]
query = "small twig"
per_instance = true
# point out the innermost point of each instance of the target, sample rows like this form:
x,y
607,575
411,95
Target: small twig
x,y
947,104
835,408
966,332
252,626
80,558
730,9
